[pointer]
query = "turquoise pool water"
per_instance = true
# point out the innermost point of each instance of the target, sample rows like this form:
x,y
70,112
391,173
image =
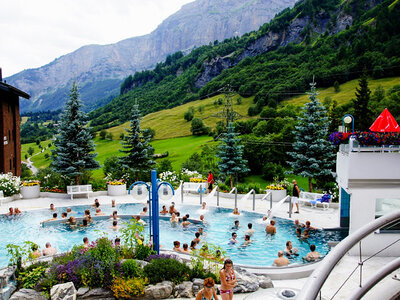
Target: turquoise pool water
x,y
261,252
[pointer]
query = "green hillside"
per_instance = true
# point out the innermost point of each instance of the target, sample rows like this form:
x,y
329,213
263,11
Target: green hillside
x,y
271,74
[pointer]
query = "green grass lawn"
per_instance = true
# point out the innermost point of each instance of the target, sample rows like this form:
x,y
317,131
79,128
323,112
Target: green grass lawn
x,y
302,182
347,91
169,123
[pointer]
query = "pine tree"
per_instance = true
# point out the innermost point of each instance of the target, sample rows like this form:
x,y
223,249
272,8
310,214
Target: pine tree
x,y
231,154
136,147
73,143
362,113
312,154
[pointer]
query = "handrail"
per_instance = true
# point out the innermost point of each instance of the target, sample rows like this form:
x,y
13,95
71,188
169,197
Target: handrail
x,y
315,282
378,276
234,189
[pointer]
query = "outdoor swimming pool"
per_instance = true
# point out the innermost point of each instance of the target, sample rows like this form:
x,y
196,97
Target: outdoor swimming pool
x,y
261,252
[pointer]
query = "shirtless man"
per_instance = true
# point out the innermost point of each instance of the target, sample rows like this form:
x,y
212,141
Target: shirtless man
x,y
70,211
271,229
144,211
49,250
52,207
177,246
249,231
281,261
290,251
185,222
114,225
164,210
52,219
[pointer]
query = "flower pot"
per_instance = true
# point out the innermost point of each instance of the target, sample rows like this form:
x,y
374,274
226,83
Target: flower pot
x,y
277,195
29,192
116,190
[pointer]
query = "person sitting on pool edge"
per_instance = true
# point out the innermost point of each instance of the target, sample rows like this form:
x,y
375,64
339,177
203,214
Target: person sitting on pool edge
x,y
49,250
208,292
164,210
281,261
312,255
271,229
290,251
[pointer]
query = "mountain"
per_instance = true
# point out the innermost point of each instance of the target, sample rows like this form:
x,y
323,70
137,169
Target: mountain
x,y
99,69
330,40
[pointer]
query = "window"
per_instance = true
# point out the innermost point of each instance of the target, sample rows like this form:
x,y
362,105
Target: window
x,y
384,206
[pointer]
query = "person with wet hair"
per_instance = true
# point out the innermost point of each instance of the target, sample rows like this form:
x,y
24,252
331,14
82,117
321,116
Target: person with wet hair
x,y
208,291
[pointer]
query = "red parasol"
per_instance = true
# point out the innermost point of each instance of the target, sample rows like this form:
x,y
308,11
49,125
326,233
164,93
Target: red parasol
x,y
385,123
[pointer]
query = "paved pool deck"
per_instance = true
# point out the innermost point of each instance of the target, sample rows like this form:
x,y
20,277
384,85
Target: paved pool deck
x,y
317,216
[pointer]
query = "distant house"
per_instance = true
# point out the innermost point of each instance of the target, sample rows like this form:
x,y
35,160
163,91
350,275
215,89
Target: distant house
x,y
10,148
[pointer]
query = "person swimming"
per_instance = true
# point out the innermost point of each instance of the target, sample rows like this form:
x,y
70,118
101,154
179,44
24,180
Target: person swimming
x,y
233,240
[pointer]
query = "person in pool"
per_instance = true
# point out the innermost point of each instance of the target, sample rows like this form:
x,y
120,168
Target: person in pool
x,y
114,215
236,226
10,212
186,248
306,234
312,255
144,211
64,215
172,209
289,251
228,280
164,210
202,219
281,261
177,246
308,226
208,292
17,211
140,220
197,237
185,222
174,219
52,219
113,203
99,212
298,232
84,223
85,242
249,231
71,221
193,245
246,240
96,203
271,229
35,252
236,211
49,250
233,240
52,207
115,225
203,205
70,211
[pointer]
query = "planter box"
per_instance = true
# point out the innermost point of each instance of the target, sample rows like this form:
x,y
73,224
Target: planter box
x,y
277,195
29,192
116,190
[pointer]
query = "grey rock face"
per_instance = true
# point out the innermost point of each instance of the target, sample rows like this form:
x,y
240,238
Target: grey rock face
x,y
184,290
27,294
96,294
102,67
161,290
265,282
64,291
197,285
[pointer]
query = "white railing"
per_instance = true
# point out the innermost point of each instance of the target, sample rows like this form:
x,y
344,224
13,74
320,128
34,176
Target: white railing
x,y
311,289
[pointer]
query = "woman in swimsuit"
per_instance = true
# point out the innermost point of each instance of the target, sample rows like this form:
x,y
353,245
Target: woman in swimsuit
x,y
208,292
228,280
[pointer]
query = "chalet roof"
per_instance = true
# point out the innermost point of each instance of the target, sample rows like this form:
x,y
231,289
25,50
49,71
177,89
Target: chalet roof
x,y
9,88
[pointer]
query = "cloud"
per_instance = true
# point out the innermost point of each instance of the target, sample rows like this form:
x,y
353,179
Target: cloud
x,y
34,33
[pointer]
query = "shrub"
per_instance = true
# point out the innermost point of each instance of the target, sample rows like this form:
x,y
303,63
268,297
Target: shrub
x,y
9,184
29,277
159,270
188,116
130,268
142,251
272,170
128,288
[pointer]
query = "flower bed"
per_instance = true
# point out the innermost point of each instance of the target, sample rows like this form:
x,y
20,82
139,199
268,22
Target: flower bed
x,y
366,138
9,184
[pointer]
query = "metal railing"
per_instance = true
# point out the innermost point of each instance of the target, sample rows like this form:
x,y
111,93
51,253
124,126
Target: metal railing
x,y
312,288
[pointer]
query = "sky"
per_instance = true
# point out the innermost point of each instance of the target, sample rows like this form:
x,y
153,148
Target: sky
x,y
35,32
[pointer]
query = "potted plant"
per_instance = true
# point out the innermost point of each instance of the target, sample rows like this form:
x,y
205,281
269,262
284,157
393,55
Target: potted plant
x,y
116,187
278,192
30,189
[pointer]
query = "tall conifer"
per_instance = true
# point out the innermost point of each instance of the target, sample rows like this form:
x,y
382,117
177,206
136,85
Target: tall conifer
x,y
362,113
139,152
73,143
312,154
231,155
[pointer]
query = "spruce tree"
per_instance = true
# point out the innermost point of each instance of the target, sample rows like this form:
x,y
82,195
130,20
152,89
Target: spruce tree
x,y
312,154
73,143
231,154
139,152
362,113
